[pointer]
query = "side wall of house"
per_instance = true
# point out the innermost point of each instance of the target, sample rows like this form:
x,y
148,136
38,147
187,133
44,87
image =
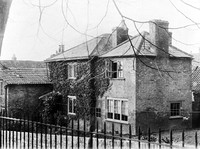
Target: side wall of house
x,y
25,98
156,89
121,88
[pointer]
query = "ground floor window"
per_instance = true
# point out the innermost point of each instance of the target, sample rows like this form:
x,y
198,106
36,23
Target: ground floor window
x,y
117,109
175,109
98,112
71,104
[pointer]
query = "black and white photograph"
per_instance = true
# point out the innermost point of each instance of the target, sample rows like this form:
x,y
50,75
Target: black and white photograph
x,y
99,74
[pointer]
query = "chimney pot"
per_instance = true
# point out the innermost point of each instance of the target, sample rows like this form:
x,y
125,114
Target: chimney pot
x,y
61,48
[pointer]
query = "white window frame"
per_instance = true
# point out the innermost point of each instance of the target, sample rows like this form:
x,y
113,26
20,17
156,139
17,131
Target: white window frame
x,y
109,69
73,98
72,74
111,109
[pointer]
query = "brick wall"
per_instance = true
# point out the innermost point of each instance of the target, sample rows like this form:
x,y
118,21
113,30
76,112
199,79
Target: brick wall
x,y
156,89
122,88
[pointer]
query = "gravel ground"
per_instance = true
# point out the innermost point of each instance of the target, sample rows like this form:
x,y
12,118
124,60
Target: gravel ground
x,y
189,137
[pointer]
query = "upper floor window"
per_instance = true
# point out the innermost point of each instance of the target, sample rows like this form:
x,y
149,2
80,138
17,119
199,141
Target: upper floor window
x,y
175,109
117,109
71,104
114,69
72,71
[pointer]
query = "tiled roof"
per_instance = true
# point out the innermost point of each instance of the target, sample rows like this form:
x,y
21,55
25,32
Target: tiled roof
x,y
142,47
101,46
196,80
21,64
95,46
25,76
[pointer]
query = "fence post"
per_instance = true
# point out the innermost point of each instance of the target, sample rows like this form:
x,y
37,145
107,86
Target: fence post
x,y
60,128
84,131
120,136
3,129
28,131
183,138
113,141
97,135
104,135
171,138
50,133
139,136
9,132
149,137
24,134
0,132
32,131
78,134
41,130
159,136
130,135
72,133
196,140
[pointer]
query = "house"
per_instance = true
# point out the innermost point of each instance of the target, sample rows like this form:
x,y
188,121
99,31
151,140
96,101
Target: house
x,y
143,80
21,84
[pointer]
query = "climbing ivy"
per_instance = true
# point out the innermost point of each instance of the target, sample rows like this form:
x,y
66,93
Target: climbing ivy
x,y
89,84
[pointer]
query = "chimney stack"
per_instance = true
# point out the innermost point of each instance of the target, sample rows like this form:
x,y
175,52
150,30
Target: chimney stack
x,y
119,34
14,58
61,48
160,37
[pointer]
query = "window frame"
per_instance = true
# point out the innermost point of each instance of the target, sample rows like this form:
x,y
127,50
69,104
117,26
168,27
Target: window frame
x,y
176,110
98,112
110,110
72,73
119,69
73,98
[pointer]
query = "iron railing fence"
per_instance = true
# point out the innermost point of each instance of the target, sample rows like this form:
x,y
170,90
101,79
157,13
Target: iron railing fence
x,y
29,132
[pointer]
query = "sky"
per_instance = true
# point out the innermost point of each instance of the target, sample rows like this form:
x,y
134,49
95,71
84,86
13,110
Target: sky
x,y
35,33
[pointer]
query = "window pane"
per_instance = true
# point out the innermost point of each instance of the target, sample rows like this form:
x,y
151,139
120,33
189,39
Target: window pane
x,y
117,109
110,108
114,70
69,71
75,71
98,112
70,105
175,109
124,111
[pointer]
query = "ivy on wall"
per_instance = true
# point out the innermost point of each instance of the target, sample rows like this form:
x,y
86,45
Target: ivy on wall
x,y
89,84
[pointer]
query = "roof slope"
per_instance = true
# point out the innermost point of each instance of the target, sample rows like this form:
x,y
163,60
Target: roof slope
x,y
142,47
95,46
102,46
25,76
21,64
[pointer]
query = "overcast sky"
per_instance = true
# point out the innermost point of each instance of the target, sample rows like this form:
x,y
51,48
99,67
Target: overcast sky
x,y
32,36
